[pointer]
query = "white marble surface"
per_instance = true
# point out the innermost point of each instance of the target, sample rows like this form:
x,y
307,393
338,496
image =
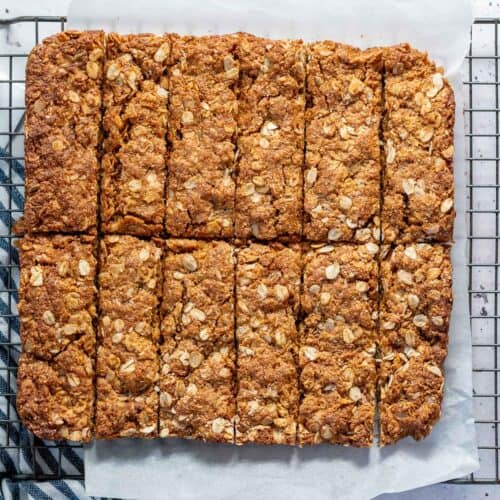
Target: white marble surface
x,y
482,8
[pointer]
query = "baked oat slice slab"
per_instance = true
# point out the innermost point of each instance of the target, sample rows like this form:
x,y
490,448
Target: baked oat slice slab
x,y
415,313
63,116
342,159
271,105
128,333
57,307
418,142
267,294
202,134
197,380
135,95
337,344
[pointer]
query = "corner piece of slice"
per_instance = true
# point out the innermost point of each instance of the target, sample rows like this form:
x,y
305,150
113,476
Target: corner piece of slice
x,y
343,161
202,133
268,293
57,306
418,142
128,332
414,319
337,344
55,399
197,379
62,130
271,104
135,93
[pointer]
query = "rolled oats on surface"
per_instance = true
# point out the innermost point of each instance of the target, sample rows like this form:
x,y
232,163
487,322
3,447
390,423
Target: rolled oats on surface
x,y
134,125
418,124
271,104
57,307
337,346
266,332
197,366
62,133
413,350
342,157
202,132
235,138
128,335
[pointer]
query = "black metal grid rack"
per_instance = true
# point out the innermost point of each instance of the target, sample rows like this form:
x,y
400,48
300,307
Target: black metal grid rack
x,y
30,458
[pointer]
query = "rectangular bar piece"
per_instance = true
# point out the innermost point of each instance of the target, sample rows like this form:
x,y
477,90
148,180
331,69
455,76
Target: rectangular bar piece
x,y
197,382
135,127
57,307
418,141
270,138
62,132
268,292
128,333
337,345
202,133
343,115
414,319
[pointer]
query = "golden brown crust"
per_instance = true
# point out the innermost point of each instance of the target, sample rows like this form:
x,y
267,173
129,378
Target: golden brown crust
x,y
57,295
228,93
63,114
267,291
197,329
414,319
135,125
342,177
128,333
55,399
202,132
418,142
57,305
337,345
271,138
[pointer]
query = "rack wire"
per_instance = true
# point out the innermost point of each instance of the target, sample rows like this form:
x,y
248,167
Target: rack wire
x,y
26,457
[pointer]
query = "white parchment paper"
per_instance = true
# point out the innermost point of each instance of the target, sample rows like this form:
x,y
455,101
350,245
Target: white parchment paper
x,y
176,469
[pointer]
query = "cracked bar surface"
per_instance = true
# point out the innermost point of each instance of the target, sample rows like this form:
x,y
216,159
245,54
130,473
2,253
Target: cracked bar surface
x,y
63,115
197,351
268,292
418,141
57,306
202,106
343,115
135,126
337,345
414,319
270,138
128,333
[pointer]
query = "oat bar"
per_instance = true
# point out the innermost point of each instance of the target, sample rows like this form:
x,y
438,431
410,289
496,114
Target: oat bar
x,y
128,332
414,319
135,126
418,141
63,115
55,399
343,115
337,345
57,295
267,291
202,101
57,307
197,332
271,106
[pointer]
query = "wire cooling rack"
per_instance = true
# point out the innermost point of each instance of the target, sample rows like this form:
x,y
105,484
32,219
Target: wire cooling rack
x,y
23,456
